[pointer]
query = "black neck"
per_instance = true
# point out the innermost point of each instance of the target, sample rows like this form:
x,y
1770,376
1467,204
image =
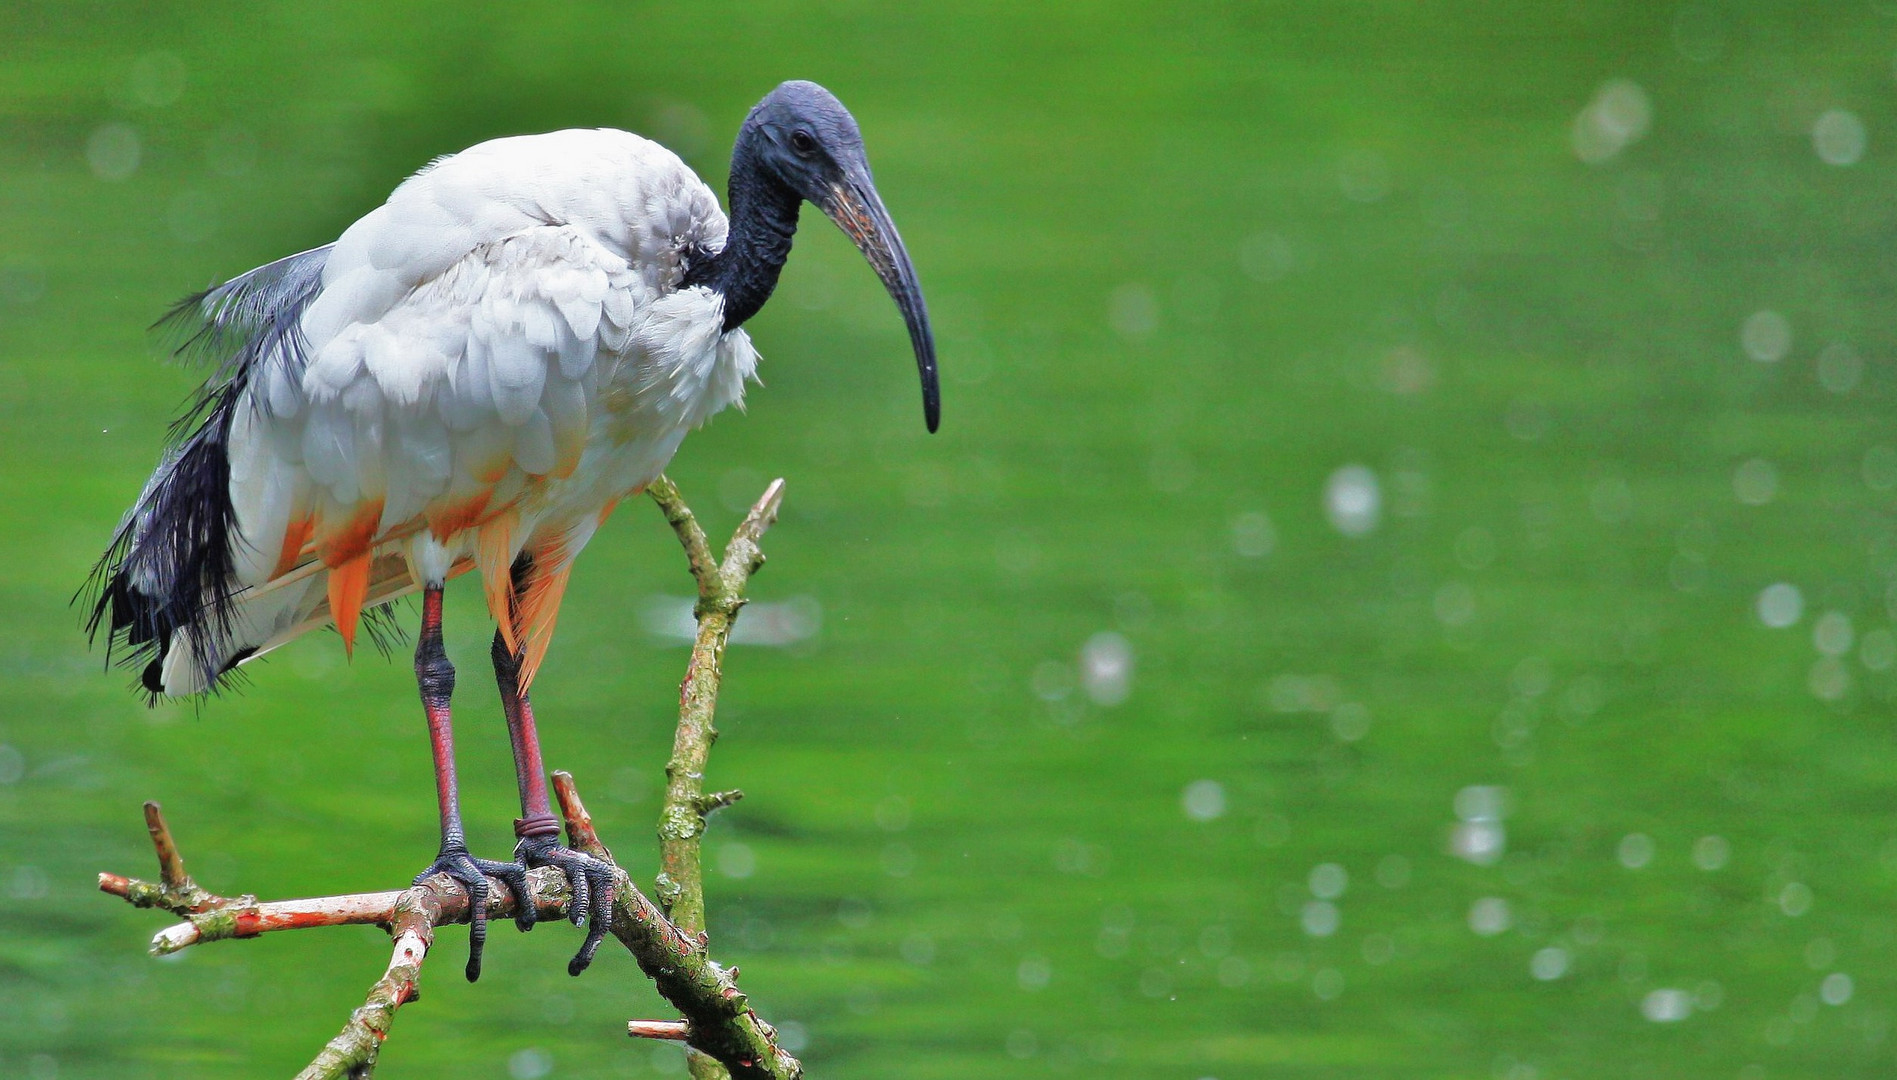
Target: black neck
x,y
763,220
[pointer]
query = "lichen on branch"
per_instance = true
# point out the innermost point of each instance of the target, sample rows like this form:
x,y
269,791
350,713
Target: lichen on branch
x,y
682,816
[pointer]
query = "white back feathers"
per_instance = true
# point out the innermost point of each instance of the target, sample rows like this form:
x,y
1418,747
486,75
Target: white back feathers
x,y
486,362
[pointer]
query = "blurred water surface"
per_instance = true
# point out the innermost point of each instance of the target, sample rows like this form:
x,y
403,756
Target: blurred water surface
x,y
1403,587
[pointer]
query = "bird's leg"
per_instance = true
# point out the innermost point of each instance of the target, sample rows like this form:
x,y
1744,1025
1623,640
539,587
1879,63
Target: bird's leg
x,y
537,827
435,675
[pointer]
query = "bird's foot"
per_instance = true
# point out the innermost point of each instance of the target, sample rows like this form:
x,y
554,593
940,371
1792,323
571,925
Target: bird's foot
x,y
473,873
591,881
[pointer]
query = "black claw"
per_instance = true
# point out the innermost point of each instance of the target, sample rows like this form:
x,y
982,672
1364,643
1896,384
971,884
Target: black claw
x,y
582,899
464,868
515,877
602,911
473,873
591,882
600,881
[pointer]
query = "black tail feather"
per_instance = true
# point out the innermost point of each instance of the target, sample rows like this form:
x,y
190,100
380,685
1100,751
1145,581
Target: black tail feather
x,y
169,566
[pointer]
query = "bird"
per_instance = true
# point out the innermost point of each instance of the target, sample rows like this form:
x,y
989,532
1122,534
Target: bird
x,y
468,380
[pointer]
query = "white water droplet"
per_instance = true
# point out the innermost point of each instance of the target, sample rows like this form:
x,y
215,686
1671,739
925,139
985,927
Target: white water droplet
x,y
1831,634
1617,117
1836,989
1319,918
1781,605
1635,850
1328,881
1667,1005
1766,336
1549,964
1353,501
1106,666
1204,800
1839,137
1490,916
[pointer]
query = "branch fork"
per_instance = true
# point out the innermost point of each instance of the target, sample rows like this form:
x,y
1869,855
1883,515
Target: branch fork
x,y
725,1035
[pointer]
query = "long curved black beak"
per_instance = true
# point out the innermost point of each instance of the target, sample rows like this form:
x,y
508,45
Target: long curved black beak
x,y
856,208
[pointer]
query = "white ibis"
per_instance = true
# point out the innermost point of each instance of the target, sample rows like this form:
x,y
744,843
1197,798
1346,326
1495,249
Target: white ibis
x,y
469,379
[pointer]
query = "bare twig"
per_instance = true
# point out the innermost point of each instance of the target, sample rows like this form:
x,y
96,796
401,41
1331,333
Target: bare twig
x,y
353,1051
579,824
720,596
673,1030
683,815
174,891
685,524
718,1023
245,917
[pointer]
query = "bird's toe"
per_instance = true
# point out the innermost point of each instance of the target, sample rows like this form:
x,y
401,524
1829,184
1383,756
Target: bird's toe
x,y
591,882
464,868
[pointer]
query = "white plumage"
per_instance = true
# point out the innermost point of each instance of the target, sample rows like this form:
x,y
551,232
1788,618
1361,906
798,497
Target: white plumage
x,y
469,379
494,356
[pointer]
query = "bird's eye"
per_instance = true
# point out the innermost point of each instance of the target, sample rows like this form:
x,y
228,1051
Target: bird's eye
x,y
803,142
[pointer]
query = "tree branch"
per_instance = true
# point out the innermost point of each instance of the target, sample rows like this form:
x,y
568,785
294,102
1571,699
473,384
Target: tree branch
x,y
682,817
410,916
725,1035
174,891
353,1051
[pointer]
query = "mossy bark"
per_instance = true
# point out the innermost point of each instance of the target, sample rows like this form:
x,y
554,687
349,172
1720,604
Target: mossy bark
x,y
683,816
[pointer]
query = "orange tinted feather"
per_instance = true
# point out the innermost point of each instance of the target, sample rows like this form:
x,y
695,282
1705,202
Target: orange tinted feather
x,y
348,585
537,612
352,538
446,519
494,467
295,538
494,553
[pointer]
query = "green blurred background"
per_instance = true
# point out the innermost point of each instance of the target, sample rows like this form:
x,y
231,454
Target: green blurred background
x,y
1402,588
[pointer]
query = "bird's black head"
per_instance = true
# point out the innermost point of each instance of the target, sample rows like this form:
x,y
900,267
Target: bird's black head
x,y
801,144
807,141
